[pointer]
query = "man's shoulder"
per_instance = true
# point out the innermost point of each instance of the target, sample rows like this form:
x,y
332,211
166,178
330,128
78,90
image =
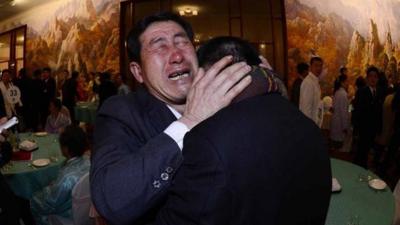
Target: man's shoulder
x,y
115,103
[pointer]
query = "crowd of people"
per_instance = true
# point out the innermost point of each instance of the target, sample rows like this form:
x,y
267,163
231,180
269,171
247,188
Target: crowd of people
x,y
203,136
46,100
366,124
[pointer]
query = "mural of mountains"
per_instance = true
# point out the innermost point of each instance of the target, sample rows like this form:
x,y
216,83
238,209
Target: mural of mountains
x,y
83,35
312,30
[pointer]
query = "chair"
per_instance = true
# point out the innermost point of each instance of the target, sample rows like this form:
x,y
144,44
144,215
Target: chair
x,y
81,203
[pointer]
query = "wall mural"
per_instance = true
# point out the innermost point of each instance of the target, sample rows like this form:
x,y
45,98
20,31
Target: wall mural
x,y
80,35
351,33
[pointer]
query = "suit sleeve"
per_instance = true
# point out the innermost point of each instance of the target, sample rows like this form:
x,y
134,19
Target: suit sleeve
x,y
199,187
129,175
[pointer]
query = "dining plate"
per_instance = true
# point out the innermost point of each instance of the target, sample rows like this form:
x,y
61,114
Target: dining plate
x,y
377,184
41,162
40,134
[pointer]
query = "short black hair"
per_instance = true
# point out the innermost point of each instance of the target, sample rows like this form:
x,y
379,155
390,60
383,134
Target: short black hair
x,y
133,43
6,71
46,69
74,74
372,69
57,103
75,139
315,59
216,48
342,69
37,73
302,67
338,82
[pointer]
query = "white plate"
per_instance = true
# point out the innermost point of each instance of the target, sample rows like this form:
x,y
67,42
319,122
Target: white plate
x,y
40,134
41,162
336,187
377,184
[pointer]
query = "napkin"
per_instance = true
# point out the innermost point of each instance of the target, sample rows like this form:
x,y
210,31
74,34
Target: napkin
x,y
335,185
28,145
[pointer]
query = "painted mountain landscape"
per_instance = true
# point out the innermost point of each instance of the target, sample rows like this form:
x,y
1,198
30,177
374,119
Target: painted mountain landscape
x,y
81,35
351,33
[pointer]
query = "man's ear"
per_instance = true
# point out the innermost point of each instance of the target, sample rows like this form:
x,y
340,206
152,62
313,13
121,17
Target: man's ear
x,y
136,71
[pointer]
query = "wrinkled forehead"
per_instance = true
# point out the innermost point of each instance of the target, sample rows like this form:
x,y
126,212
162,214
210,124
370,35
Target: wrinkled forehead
x,y
161,29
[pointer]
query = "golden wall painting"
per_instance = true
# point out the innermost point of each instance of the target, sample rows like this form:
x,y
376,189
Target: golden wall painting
x,y
80,35
351,33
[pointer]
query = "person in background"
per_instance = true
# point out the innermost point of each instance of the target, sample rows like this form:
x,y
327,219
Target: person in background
x,y
12,207
60,79
5,85
394,142
49,92
25,85
56,121
82,89
340,124
70,94
37,96
120,81
310,92
107,88
90,87
302,72
56,199
368,107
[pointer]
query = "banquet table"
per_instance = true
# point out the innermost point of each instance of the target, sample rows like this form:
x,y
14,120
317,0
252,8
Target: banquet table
x,y
357,203
86,112
24,178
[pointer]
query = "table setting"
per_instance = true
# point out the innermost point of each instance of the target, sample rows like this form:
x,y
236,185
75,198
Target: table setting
x,y
35,163
359,197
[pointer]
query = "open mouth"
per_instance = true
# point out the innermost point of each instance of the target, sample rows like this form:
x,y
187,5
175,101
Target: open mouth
x,y
179,75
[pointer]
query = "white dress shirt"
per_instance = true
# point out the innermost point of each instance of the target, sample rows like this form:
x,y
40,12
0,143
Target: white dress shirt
x,y
310,98
176,130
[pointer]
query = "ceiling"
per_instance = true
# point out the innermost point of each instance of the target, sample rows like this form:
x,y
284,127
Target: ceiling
x,y
9,8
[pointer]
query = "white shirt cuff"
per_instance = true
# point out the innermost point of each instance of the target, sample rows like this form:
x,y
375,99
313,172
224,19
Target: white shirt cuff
x,y
177,131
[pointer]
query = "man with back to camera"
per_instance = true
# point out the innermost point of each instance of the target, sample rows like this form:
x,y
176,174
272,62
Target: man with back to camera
x,y
258,161
310,92
138,137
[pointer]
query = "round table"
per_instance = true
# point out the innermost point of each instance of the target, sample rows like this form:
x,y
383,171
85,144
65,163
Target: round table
x,y
86,112
358,202
25,179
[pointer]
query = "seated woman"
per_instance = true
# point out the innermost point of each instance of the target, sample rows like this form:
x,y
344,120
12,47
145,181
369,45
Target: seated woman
x,y
56,198
57,120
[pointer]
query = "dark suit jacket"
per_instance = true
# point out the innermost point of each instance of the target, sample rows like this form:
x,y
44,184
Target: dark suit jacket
x,y
295,98
132,158
49,89
257,162
368,110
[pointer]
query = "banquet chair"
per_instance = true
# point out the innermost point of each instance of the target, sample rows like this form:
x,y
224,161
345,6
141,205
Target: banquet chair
x,y
396,193
81,203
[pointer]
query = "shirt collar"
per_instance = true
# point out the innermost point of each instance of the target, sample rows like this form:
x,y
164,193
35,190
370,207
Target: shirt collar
x,y
176,113
313,77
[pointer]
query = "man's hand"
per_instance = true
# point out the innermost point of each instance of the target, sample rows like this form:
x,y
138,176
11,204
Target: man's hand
x,y
214,90
264,63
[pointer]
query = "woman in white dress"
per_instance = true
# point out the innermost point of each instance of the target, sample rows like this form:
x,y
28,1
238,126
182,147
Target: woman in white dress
x,y
340,124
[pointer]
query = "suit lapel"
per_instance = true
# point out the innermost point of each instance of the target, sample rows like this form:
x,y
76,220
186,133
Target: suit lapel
x,y
159,114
